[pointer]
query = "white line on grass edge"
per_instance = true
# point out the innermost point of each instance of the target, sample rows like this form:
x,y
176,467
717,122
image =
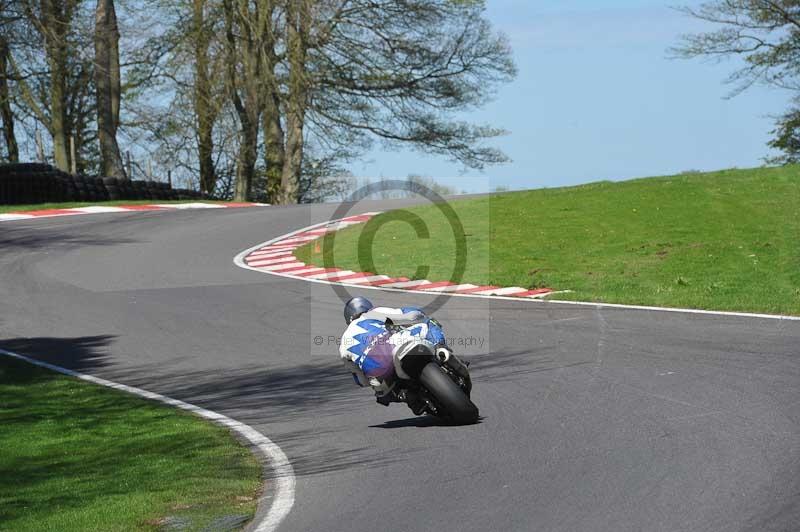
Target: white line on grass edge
x,y
283,480
238,260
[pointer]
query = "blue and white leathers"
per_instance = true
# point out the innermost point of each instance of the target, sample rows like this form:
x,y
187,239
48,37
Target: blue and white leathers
x,y
368,348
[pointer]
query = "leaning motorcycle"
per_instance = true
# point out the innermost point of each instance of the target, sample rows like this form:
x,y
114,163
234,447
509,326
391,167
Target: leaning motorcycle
x,y
418,368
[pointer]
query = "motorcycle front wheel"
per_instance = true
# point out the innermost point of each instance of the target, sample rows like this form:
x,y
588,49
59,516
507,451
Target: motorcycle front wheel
x,y
451,399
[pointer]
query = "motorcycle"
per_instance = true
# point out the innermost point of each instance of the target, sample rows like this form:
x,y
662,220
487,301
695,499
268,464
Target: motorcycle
x,y
416,367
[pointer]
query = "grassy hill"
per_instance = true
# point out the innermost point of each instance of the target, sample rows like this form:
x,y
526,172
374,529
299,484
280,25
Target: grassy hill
x,y
727,240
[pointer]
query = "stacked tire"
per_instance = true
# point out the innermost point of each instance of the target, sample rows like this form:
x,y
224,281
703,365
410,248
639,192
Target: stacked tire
x,y
112,187
69,186
82,191
162,190
185,194
125,189
95,189
31,183
27,183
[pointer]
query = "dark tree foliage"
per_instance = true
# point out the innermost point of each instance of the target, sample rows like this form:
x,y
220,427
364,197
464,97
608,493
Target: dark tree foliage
x,y
249,98
402,70
787,138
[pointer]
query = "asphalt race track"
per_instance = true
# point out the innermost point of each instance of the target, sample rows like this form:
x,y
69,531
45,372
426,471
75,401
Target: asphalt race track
x,y
594,419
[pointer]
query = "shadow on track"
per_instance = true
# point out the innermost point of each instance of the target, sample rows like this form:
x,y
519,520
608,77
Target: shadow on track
x,y
420,422
303,405
256,394
82,354
62,237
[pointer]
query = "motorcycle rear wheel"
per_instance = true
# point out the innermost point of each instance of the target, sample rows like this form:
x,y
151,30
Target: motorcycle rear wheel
x,y
451,399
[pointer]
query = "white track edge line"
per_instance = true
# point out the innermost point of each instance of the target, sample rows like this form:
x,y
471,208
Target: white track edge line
x,y
673,310
76,211
283,481
238,260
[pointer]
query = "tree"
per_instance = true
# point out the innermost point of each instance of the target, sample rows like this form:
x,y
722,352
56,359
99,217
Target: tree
x,y
766,35
298,36
393,70
6,113
246,24
204,106
51,75
273,128
322,178
53,20
263,89
787,138
108,86
177,97
422,184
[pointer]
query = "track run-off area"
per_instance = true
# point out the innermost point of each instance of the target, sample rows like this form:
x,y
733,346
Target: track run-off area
x,y
594,418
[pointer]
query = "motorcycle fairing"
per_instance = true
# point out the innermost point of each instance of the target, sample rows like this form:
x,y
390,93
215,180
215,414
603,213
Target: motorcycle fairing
x,y
378,346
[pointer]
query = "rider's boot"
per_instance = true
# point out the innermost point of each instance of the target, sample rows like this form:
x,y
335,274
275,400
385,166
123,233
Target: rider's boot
x,y
416,403
384,391
385,400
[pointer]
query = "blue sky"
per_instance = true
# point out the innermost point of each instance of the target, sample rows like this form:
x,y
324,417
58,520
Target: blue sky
x,y
597,97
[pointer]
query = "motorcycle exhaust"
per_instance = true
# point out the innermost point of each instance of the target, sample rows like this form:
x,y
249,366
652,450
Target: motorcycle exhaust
x,y
443,355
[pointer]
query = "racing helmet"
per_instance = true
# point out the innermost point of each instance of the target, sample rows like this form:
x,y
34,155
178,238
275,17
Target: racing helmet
x,y
355,308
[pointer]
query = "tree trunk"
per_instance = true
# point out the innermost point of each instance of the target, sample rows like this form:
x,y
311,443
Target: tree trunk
x,y
114,73
205,153
58,124
56,20
249,115
204,108
274,154
107,83
274,149
6,114
290,176
58,112
298,15
247,108
81,99
246,162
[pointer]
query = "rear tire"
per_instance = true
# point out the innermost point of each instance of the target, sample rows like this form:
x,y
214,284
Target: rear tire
x,y
448,395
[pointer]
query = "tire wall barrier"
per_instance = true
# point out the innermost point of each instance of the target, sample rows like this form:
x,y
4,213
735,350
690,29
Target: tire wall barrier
x,y
32,183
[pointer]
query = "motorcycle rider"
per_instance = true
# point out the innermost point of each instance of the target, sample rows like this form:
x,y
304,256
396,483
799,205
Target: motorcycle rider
x,y
367,324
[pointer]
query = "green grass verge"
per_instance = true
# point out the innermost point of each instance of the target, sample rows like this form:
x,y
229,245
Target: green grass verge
x,y
76,456
72,205
727,240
